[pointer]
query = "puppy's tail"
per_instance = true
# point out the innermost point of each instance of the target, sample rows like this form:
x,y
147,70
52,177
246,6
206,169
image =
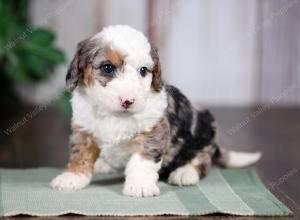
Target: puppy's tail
x,y
234,159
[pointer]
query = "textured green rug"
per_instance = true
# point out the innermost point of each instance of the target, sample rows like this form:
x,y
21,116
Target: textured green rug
x,y
237,192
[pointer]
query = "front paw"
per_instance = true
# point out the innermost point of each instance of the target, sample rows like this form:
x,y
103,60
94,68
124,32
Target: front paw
x,y
68,181
140,188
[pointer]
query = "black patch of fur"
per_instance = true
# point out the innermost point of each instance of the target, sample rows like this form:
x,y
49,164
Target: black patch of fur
x,y
180,119
157,158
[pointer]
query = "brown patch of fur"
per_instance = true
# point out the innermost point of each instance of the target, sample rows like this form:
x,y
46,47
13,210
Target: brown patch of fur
x,y
156,71
203,163
152,144
88,76
114,57
84,152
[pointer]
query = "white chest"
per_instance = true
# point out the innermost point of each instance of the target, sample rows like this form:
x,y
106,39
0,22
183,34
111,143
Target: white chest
x,y
116,156
111,130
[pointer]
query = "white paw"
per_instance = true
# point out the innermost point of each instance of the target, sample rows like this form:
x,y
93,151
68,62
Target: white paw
x,y
102,167
140,188
68,181
184,176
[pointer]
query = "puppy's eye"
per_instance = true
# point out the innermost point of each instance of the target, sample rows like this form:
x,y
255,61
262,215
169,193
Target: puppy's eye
x,y
107,68
143,71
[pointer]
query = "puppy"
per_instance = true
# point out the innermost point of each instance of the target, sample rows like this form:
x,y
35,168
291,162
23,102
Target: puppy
x,y
126,118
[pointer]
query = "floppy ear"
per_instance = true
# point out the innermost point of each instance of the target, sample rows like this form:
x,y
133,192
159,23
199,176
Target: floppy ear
x,y
78,65
157,82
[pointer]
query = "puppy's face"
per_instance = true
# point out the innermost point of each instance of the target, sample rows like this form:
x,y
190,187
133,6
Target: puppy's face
x,y
118,70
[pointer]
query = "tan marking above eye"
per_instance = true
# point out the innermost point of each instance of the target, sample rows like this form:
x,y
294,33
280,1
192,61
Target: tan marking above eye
x,y
87,77
114,57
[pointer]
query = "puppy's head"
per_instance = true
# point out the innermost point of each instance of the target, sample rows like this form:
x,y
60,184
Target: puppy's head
x,y
117,68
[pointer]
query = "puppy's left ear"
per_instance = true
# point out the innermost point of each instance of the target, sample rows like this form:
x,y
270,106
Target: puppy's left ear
x,y
157,82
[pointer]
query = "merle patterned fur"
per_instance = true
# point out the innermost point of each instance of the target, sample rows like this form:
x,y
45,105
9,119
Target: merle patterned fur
x,y
180,117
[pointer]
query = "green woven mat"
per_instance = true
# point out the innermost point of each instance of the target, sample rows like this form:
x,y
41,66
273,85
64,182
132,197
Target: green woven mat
x,y
238,192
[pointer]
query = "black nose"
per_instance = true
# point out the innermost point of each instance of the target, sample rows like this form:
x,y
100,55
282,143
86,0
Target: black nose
x,y
127,103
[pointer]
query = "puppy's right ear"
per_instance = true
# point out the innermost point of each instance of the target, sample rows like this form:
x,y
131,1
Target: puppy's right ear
x,y
77,66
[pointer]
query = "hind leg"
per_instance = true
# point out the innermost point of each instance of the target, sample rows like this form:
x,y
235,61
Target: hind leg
x,y
190,173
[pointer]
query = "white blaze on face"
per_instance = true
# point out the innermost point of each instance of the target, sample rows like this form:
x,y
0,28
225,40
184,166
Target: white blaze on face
x,y
130,85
